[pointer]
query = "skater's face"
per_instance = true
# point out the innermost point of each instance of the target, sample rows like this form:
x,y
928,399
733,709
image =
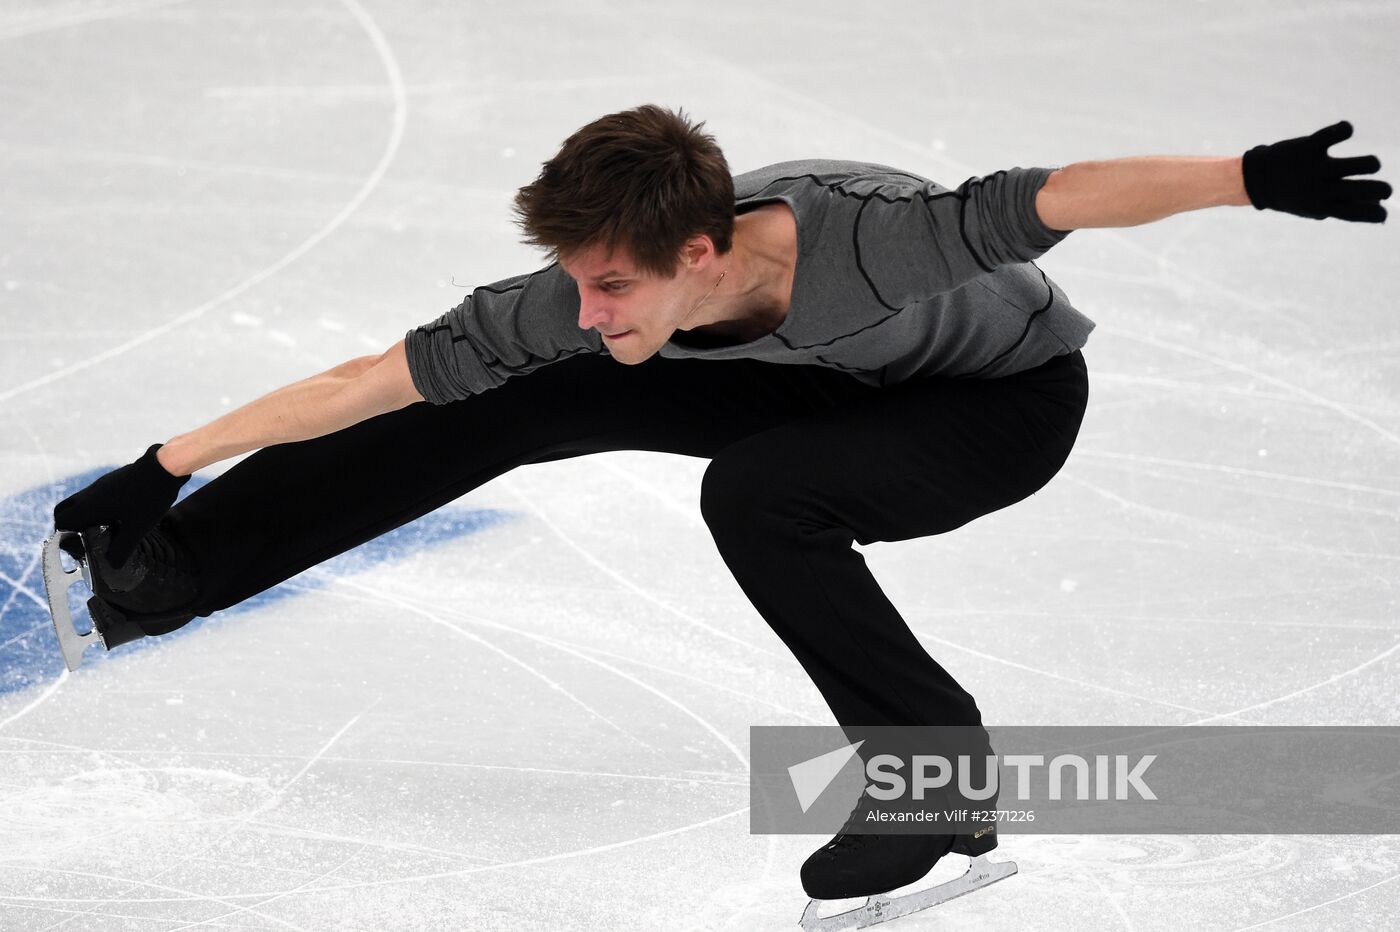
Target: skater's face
x,y
635,313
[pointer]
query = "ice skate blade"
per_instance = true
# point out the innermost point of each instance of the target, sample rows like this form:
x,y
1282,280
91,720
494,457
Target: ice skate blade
x,y
57,581
880,908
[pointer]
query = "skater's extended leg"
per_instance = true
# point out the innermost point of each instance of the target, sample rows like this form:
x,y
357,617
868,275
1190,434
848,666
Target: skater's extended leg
x,y
291,506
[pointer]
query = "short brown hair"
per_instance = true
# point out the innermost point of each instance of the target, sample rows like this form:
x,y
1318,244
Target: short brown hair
x,y
644,178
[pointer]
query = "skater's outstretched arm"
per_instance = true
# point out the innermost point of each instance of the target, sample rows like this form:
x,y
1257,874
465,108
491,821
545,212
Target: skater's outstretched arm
x,y
354,391
133,498
1133,191
1296,176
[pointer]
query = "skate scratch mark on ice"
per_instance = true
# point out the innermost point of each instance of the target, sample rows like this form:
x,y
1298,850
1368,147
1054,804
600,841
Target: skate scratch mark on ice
x,y
425,88
277,794
58,853
596,650
1214,390
1256,490
49,154
328,93
695,517
416,878
1336,899
270,803
273,828
1252,854
79,749
755,900
697,679
1110,611
433,616
19,586
1056,676
38,625
253,909
1256,374
626,583
66,20
559,645
1107,895
395,81
1165,515
40,700
691,514
681,707
1306,689
273,801
1226,530
30,570
1385,349
399,761
1238,713
562,647
100,156
553,771
546,859
447,901
189,896
104,914
1240,471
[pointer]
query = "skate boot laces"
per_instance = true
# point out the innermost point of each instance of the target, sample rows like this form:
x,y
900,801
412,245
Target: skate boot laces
x,y
160,575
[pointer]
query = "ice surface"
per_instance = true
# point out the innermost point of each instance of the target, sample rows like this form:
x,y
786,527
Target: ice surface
x,y
529,711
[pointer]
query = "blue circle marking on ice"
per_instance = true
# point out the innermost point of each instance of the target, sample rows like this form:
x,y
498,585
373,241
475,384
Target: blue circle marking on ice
x,y
29,653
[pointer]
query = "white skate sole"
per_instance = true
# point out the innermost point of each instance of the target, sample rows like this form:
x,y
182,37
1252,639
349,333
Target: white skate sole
x,y
881,908
57,582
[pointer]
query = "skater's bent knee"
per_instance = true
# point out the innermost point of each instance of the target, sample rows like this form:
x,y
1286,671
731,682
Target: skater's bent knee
x,y
735,491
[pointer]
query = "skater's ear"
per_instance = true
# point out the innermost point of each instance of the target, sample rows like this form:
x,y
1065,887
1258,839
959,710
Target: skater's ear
x,y
698,250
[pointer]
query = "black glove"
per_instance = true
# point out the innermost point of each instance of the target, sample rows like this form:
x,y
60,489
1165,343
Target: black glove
x,y
1299,177
130,500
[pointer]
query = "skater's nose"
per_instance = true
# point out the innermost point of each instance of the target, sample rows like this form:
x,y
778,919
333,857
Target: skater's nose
x,y
593,313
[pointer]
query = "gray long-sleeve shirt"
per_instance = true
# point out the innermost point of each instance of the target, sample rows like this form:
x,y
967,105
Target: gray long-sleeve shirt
x,y
897,277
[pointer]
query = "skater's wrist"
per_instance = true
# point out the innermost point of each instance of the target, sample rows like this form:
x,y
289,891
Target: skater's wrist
x,y
174,457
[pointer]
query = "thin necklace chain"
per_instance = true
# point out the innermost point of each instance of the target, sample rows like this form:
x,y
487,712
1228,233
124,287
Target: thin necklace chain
x,y
707,297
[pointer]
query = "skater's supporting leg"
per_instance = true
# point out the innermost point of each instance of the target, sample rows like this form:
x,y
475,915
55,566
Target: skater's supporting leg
x,y
922,458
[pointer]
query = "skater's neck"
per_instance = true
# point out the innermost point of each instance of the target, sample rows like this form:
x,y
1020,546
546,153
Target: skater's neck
x,y
755,295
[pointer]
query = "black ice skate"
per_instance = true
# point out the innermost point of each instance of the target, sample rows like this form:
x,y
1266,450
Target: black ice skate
x,y
853,865
145,596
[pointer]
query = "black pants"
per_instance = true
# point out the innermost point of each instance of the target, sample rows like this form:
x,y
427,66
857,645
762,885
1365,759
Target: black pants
x,y
804,460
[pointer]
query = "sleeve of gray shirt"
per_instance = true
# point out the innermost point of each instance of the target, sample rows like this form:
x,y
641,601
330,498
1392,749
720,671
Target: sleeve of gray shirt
x,y
916,240
508,328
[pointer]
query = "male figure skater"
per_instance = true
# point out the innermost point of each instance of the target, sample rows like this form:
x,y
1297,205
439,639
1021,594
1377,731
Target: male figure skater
x,y
863,355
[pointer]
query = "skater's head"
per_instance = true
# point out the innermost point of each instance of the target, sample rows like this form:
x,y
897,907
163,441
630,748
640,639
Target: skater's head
x,y
638,208
645,180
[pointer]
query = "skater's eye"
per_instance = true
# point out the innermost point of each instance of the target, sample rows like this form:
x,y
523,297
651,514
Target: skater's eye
x,y
611,286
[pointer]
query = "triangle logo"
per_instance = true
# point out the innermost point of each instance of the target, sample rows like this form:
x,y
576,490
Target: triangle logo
x,y
811,777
